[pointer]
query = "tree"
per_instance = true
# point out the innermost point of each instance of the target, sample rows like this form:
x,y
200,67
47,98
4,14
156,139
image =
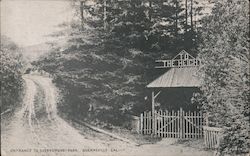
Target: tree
x,y
93,70
108,56
10,74
186,15
225,54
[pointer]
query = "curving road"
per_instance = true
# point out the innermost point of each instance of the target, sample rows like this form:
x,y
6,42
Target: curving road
x,y
36,129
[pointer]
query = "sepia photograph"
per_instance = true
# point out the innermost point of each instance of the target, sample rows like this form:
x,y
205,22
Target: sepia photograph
x,y
125,77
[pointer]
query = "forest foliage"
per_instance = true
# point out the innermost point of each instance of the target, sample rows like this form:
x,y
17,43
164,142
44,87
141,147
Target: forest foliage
x,y
105,56
225,72
10,74
110,49
109,54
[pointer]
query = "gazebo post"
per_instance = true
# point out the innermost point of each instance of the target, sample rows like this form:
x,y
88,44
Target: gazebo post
x,y
153,113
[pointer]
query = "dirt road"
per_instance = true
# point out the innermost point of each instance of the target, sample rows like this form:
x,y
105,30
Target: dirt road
x,y
36,129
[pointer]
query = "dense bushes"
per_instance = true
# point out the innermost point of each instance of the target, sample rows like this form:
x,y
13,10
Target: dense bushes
x,y
10,74
225,54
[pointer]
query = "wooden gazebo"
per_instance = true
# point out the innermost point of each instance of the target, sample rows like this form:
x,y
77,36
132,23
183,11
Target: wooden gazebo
x,y
182,73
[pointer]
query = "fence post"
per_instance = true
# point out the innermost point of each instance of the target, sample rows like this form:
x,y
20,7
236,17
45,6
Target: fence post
x,y
146,125
172,124
144,122
178,123
141,123
161,119
153,112
164,124
181,123
155,123
150,122
167,121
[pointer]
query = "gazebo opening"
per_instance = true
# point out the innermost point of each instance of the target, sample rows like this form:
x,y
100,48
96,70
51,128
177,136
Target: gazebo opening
x,y
176,98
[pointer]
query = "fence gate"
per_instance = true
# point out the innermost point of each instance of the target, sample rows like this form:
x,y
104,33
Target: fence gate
x,y
173,124
212,137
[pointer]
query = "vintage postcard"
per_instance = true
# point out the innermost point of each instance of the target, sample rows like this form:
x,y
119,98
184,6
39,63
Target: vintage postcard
x,y
124,77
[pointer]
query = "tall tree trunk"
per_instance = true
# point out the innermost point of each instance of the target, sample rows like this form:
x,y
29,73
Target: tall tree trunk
x,y
150,10
192,23
186,15
195,19
176,18
195,25
81,12
191,15
105,14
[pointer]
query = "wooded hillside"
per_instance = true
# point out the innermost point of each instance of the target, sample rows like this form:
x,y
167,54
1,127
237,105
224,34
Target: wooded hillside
x,y
111,46
10,74
110,51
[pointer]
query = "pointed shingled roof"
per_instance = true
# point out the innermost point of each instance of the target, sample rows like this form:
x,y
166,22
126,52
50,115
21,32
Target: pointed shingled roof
x,y
182,73
177,77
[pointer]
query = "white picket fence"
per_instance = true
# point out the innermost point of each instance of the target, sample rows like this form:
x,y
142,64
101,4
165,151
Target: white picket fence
x,y
179,124
172,124
212,137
